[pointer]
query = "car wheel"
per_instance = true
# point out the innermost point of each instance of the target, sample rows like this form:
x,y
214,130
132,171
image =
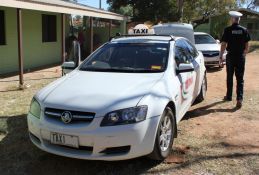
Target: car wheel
x,y
164,136
203,91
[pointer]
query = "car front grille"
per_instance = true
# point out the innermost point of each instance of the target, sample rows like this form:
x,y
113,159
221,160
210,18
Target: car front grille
x,y
210,53
77,116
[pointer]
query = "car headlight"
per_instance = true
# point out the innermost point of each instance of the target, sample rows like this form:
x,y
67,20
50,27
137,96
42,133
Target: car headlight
x,y
125,116
35,108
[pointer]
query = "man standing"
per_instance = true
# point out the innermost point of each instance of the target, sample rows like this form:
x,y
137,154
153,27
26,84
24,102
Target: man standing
x,y
235,39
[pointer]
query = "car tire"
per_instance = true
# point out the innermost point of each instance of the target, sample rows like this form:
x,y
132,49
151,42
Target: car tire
x,y
164,136
203,90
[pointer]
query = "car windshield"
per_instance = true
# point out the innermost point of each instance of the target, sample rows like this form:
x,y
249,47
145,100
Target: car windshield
x,y
128,57
204,39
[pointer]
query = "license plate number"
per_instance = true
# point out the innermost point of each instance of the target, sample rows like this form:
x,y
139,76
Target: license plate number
x,y
62,139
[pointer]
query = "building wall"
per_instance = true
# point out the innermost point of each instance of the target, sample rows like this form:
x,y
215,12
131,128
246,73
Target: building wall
x,y
254,31
36,53
9,52
217,24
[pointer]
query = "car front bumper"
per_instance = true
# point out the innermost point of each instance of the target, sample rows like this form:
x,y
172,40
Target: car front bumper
x,y
212,61
101,143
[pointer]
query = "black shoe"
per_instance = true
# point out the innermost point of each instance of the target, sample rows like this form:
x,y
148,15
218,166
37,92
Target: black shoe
x,y
239,104
226,98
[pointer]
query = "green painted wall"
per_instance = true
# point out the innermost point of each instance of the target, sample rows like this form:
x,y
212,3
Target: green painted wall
x,y
254,32
36,53
203,28
217,24
9,52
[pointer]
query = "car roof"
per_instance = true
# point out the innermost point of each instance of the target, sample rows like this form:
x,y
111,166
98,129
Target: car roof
x,y
143,39
200,33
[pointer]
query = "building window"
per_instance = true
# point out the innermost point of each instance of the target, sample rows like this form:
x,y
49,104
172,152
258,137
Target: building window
x,y
2,28
49,28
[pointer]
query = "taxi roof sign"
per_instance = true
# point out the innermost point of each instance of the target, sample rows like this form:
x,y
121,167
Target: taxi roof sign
x,y
141,29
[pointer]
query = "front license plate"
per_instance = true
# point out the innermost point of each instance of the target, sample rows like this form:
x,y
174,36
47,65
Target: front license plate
x,y
62,139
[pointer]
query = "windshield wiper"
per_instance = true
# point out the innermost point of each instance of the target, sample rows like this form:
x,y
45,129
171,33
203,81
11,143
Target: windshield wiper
x,y
125,70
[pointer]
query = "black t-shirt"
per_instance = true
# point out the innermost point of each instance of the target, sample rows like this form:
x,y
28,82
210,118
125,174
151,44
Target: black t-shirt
x,y
236,37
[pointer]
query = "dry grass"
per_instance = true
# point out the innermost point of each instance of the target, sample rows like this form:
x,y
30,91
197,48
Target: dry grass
x,y
254,46
211,130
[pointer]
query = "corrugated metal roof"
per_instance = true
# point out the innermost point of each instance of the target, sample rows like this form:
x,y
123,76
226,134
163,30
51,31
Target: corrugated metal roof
x,y
251,12
60,6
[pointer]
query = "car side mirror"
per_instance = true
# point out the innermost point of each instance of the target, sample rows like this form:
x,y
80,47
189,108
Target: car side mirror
x,y
182,68
68,67
218,41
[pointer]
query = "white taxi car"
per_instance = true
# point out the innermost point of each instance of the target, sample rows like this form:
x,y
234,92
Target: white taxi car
x,y
210,49
122,102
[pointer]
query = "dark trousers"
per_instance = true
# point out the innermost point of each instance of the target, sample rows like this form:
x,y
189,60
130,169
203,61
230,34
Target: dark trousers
x,y
235,64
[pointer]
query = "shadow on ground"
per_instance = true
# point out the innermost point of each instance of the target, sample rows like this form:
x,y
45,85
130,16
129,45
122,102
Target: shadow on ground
x,y
205,110
212,69
19,156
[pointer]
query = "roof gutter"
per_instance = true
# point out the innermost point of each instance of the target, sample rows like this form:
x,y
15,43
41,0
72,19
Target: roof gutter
x,y
58,8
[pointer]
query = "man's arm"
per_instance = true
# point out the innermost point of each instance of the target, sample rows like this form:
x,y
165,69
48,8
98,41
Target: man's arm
x,y
222,50
246,48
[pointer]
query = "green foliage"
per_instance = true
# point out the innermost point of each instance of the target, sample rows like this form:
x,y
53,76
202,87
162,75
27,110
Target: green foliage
x,y
124,10
249,4
148,10
218,24
169,11
203,9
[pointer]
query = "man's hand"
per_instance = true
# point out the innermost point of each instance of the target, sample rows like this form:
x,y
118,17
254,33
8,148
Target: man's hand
x,y
221,61
246,49
221,58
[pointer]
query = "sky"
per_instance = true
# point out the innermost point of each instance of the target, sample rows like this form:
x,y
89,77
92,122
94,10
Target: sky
x,y
94,3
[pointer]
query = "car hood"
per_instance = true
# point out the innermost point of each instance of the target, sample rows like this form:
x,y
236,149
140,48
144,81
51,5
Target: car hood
x,y
98,92
208,47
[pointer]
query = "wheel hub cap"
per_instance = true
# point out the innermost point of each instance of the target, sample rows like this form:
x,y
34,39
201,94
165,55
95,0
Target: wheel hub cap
x,y
165,133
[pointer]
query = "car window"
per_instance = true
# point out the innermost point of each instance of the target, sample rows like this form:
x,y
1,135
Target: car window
x,y
204,39
191,49
182,55
129,57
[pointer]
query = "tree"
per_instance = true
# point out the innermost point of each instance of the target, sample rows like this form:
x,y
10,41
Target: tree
x,y
124,10
174,10
148,10
202,10
249,4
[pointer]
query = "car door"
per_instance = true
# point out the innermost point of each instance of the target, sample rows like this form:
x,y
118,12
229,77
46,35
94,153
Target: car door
x,y
197,62
186,79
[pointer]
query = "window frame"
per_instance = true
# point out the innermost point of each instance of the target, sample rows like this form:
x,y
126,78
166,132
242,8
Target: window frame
x,y
47,28
186,53
3,42
195,54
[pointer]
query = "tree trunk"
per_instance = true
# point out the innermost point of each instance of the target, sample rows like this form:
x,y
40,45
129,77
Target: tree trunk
x,y
180,9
